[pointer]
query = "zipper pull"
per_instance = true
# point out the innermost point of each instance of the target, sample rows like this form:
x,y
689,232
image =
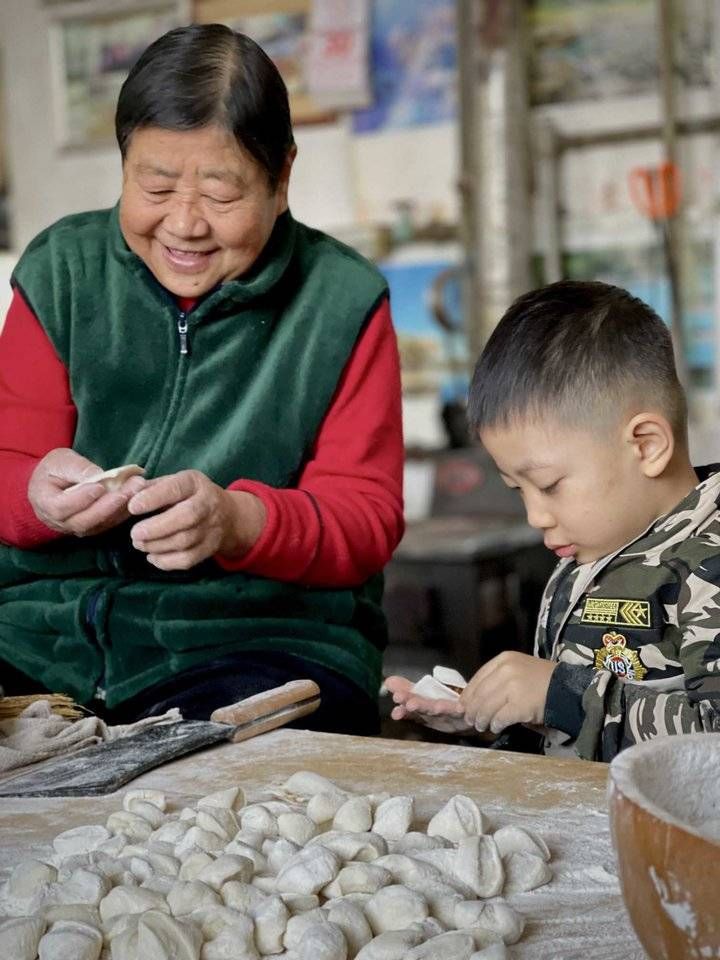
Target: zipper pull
x,y
182,326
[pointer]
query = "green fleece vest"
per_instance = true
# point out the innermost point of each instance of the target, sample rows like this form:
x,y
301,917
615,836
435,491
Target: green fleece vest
x,y
264,357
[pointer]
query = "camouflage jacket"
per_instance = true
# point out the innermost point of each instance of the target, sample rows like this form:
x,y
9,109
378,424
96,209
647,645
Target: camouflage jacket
x,y
637,634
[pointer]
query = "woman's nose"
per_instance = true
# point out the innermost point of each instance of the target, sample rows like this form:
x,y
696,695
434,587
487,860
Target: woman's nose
x,y
185,220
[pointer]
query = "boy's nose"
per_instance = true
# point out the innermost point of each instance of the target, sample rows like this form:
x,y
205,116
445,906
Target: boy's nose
x,y
539,517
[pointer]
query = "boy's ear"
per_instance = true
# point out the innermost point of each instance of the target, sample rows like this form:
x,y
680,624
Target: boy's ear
x,y
652,441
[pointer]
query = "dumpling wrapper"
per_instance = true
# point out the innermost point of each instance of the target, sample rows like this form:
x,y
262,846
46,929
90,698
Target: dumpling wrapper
x,y
442,685
112,479
449,677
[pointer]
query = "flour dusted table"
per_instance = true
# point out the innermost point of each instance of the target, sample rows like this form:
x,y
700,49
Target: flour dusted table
x,y
578,916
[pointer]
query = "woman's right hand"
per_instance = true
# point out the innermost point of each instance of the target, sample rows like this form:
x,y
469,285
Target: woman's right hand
x,y
447,716
83,512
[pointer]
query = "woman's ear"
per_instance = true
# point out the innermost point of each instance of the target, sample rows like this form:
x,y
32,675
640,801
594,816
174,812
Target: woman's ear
x,y
653,442
281,191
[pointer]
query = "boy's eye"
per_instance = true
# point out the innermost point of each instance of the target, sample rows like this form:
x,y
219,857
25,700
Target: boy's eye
x,y
551,488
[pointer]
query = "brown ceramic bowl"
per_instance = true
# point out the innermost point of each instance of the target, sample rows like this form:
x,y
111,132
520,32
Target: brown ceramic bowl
x,y
665,822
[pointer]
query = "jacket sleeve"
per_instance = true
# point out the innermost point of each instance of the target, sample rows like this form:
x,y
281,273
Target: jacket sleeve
x,y
345,518
37,415
620,713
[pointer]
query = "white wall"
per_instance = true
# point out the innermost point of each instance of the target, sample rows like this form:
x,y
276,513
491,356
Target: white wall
x,y
339,179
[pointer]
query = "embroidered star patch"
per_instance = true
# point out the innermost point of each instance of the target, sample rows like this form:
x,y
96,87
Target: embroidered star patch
x,y
616,613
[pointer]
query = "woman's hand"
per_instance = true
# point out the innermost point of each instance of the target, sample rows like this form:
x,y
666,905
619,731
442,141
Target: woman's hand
x,y
510,688
84,512
198,520
443,715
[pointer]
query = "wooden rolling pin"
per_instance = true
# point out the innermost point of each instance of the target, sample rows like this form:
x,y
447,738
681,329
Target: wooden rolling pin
x,y
270,709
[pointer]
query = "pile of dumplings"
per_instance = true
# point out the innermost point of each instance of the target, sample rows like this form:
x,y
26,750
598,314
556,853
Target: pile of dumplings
x,y
317,873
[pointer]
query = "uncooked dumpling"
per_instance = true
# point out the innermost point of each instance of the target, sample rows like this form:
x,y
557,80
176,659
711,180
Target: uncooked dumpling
x,y
79,840
157,936
395,908
304,783
518,840
393,945
393,817
19,937
28,877
70,940
354,816
353,923
431,689
322,941
323,806
525,871
446,946
296,827
460,817
363,878
479,865
111,479
308,871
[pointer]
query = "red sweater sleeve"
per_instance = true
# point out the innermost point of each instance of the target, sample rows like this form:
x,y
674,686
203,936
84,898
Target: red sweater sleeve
x,y
37,415
345,518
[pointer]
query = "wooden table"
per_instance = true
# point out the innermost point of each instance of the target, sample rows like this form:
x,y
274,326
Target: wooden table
x,y
578,916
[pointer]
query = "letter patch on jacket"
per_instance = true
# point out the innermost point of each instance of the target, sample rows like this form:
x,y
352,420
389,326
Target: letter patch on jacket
x,y
618,658
616,613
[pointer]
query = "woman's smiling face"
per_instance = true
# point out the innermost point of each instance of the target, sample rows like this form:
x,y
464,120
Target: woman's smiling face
x,y
195,207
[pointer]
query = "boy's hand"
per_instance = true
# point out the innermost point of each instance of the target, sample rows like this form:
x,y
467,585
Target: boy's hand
x,y
443,715
510,688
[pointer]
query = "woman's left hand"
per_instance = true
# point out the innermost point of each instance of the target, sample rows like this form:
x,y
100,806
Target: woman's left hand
x,y
199,519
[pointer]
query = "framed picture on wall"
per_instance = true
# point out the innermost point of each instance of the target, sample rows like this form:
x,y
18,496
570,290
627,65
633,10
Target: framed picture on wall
x,y
281,27
93,45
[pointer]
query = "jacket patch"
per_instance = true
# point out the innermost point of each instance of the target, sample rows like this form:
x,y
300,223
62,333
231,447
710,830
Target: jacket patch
x,y
618,658
616,613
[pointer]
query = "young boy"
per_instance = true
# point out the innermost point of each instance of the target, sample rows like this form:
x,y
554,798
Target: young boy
x,y
577,400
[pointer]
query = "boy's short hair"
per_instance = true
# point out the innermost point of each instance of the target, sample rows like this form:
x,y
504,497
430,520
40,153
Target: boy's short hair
x,y
583,352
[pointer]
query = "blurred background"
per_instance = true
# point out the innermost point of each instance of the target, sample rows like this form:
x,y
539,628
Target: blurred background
x,y
473,149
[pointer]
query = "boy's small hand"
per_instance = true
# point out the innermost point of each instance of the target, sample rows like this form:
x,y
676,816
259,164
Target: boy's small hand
x,y
443,715
510,688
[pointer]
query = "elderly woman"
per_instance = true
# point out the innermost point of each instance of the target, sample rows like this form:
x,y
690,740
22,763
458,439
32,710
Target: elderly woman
x,y
248,363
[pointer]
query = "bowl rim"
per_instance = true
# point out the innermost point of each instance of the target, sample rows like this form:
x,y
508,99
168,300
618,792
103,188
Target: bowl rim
x,y
620,776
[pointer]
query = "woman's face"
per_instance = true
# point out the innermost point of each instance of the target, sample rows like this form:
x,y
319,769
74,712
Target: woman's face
x,y
196,207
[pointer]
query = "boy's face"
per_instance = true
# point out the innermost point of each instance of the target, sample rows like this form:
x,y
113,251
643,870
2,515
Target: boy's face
x,y
586,493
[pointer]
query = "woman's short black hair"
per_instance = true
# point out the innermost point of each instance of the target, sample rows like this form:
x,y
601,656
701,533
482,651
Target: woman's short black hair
x,y
208,74
582,352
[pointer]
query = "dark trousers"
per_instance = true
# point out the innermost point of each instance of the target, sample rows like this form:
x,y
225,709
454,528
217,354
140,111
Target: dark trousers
x,y
344,708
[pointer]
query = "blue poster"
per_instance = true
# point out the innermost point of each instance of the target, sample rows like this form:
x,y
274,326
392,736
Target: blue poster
x,y
413,51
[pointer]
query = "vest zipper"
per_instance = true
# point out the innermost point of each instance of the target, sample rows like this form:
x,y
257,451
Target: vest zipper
x,y
182,325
